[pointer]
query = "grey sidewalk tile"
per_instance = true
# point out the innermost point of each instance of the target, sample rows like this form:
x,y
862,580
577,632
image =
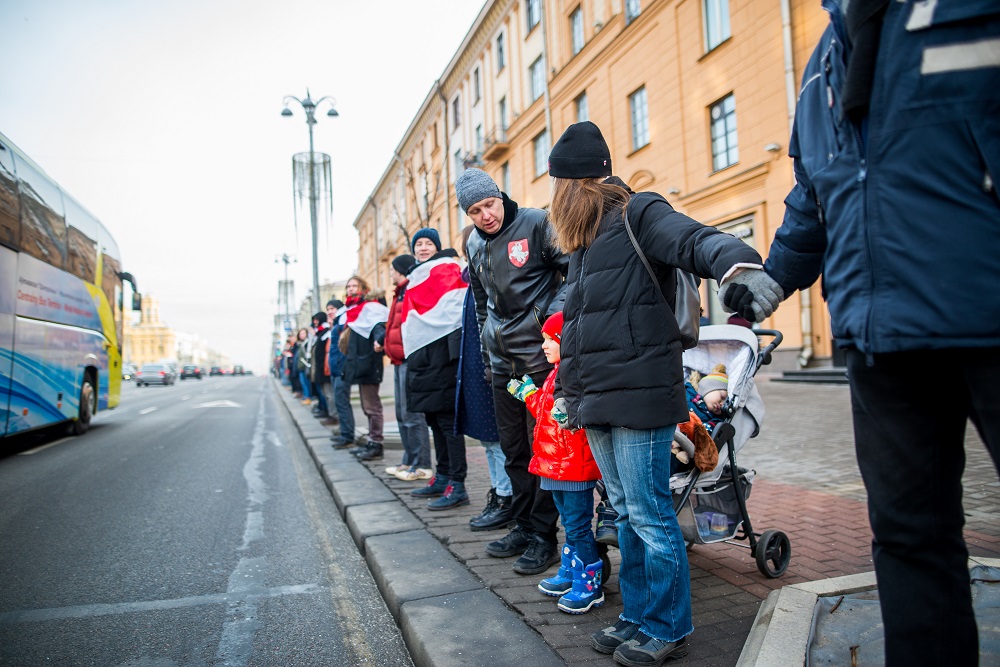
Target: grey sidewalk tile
x,y
339,472
350,492
413,566
365,521
472,628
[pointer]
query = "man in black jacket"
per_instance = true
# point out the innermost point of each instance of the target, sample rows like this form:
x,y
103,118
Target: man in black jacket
x,y
516,274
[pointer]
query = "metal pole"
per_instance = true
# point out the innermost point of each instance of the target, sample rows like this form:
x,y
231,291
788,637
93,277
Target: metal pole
x,y
312,214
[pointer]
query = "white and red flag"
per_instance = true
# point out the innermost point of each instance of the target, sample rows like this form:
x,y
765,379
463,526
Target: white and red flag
x,y
432,305
362,317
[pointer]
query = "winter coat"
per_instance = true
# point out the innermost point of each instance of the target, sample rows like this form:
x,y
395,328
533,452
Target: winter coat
x,y
335,358
363,364
432,370
621,349
901,211
391,336
475,415
517,277
318,370
558,453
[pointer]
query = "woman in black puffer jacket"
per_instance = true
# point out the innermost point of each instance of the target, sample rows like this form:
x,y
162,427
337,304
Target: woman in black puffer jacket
x,y
621,374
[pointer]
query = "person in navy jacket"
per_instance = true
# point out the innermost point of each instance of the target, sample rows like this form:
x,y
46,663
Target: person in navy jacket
x,y
896,148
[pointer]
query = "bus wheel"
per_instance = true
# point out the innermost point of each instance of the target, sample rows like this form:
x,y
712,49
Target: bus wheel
x,y
88,405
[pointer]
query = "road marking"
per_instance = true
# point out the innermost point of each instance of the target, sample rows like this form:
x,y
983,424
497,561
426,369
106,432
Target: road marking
x,y
147,411
89,610
218,404
40,448
184,398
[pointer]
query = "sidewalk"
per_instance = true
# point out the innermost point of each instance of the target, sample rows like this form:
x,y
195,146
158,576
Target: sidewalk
x,y
807,486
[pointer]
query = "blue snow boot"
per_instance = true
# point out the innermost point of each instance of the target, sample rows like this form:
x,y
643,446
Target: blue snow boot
x,y
587,591
562,582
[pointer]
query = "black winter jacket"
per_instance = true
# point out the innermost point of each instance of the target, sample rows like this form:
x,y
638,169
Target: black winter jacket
x,y
432,375
517,279
621,350
363,364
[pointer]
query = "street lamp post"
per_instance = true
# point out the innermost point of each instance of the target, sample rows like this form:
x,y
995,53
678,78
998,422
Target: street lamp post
x,y
285,288
309,106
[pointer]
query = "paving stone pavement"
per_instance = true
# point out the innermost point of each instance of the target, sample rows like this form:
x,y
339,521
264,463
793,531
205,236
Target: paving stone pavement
x,y
807,486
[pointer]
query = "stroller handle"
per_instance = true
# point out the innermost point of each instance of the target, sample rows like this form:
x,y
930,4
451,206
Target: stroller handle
x,y
765,354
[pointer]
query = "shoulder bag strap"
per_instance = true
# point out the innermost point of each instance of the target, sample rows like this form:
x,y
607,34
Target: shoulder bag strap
x,y
642,257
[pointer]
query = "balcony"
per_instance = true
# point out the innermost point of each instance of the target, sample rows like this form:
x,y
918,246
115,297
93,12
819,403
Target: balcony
x,y
496,145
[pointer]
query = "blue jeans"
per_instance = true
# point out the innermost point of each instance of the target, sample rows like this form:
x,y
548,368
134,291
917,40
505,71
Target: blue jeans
x,y
576,509
412,425
654,578
342,403
306,384
496,462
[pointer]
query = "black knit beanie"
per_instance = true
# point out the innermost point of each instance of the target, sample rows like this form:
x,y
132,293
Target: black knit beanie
x,y
404,264
581,152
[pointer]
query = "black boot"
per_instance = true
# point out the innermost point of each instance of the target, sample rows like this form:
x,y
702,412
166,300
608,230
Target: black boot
x,y
372,451
496,515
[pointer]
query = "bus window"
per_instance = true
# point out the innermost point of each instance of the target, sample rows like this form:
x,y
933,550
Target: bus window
x,y
111,284
82,231
10,224
43,230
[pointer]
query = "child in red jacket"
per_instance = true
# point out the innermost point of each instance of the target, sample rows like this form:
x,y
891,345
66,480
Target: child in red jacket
x,y
567,468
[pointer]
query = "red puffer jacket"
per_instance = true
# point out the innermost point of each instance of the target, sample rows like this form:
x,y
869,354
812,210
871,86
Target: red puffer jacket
x,y
558,453
393,331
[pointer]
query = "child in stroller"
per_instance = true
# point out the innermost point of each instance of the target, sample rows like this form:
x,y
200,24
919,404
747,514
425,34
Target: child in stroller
x,y
711,505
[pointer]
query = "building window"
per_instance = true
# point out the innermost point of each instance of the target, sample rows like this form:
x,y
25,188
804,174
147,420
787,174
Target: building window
x,y
640,118
576,29
537,78
716,23
504,122
459,164
479,139
631,10
501,53
505,176
456,115
725,149
582,110
541,151
476,88
533,9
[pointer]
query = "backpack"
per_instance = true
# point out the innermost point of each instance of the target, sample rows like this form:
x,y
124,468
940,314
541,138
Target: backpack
x,y
687,298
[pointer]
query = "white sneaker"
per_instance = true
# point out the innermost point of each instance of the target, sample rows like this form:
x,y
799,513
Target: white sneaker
x,y
395,470
414,474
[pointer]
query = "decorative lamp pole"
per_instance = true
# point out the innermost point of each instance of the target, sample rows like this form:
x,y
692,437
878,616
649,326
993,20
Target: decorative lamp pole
x,y
309,106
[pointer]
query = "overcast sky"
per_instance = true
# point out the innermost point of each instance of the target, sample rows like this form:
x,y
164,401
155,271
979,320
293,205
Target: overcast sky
x,y
163,119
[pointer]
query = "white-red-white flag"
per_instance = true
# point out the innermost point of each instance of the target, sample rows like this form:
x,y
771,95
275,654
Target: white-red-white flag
x,y
363,317
432,305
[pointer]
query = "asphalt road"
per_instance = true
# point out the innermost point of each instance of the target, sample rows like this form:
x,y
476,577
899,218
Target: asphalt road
x,y
188,527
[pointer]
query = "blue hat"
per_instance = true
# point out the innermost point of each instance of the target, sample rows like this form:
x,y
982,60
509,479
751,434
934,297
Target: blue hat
x,y
426,233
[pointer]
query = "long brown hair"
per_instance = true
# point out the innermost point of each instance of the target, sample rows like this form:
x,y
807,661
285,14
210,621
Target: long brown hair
x,y
578,204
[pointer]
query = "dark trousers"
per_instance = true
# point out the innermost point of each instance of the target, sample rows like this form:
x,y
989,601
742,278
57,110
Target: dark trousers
x,y
910,412
449,447
532,507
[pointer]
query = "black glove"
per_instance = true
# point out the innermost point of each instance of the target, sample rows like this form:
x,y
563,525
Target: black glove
x,y
751,294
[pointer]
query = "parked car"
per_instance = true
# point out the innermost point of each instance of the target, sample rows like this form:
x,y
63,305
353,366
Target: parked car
x,y
215,370
154,374
190,372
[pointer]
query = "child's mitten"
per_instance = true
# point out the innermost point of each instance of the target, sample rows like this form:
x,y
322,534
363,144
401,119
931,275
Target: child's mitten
x,y
521,389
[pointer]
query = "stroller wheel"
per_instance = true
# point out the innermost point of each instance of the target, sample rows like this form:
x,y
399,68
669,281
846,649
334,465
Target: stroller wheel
x,y
774,551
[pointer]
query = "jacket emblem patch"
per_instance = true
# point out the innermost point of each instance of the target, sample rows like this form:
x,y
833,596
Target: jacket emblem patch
x,y
517,252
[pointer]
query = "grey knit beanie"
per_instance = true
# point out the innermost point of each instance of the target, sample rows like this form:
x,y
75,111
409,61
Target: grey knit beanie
x,y
473,186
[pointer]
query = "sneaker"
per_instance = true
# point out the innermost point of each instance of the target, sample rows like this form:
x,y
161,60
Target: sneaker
x,y
610,638
607,530
340,442
436,487
644,651
415,473
391,471
454,496
513,543
538,557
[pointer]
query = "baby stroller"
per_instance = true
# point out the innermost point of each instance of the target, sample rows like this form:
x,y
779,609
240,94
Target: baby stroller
x,y
711,506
